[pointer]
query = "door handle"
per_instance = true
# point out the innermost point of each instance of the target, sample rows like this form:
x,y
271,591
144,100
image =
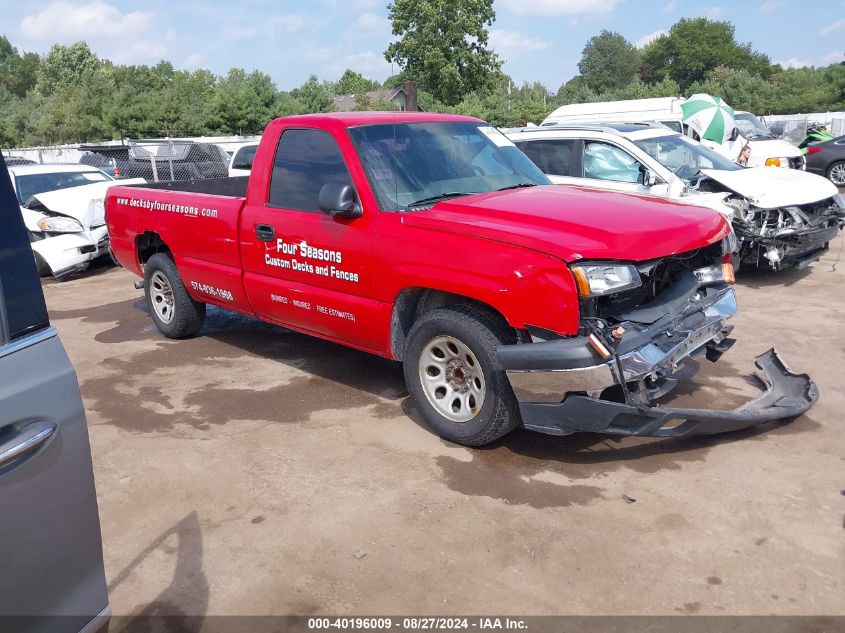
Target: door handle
x,y
265,232
29,438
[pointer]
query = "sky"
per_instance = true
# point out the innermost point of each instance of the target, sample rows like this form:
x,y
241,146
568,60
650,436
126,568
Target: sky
x,y
538,39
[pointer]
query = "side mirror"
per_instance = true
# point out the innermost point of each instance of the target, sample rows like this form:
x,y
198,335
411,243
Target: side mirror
x,y
339,201
647,177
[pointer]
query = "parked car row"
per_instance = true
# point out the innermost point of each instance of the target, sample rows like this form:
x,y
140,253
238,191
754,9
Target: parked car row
x,y
154,161
766,150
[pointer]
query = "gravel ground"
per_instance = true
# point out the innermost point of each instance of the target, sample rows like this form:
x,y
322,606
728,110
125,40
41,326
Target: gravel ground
x,y
254,470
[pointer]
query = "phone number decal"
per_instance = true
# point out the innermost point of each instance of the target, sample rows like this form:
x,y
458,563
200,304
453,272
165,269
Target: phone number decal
x,y
211,291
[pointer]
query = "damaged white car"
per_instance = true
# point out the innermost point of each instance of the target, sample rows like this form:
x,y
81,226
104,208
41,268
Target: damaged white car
x,y
62,207
782,218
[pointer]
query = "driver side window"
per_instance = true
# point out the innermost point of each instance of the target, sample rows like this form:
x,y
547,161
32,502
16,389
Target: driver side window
x,y
603,161
306,159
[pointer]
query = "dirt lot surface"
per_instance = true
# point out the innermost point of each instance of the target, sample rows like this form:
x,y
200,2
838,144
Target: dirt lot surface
x,y
256,471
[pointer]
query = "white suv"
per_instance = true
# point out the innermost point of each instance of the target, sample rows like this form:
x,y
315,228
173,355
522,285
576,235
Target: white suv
x,y
782,217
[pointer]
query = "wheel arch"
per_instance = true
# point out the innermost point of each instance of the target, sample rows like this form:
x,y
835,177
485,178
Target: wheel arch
x,y
411,303
148,244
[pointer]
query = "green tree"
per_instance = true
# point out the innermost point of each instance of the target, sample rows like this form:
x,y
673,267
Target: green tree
x,y
608,61
695,46
314,95
65,66
242,103
576,90
739,88
352,83
444,45
17,71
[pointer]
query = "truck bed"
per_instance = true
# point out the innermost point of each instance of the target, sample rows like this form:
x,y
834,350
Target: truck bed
x,y
233,187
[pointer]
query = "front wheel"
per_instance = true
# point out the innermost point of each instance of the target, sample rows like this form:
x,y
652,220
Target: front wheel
x,y
836,173
454,376
174,312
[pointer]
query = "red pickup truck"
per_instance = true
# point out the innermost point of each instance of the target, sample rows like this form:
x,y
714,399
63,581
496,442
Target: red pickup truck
x,y
432,240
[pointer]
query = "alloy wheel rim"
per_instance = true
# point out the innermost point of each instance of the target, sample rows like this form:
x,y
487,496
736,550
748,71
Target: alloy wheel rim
x,y
452,378
837,175
161,295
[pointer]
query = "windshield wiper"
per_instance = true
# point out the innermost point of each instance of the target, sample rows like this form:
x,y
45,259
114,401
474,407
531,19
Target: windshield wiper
x,y
438,197
518,185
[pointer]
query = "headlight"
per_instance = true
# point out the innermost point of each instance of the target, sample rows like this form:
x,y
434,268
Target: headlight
x,y
597,279
59,225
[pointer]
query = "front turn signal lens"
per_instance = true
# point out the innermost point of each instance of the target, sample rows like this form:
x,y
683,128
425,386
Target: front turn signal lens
x,y
773,162
582,282
728,273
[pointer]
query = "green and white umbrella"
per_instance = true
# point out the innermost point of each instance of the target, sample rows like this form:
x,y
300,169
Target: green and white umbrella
x,y
711,117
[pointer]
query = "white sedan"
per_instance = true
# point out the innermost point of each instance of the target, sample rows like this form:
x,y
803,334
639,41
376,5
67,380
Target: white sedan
x,y
62,207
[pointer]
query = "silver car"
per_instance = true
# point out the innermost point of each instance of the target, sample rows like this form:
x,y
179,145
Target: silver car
x,y
51,575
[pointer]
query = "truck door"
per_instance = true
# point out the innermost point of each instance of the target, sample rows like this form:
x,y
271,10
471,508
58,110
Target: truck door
x,y
303,268
52,576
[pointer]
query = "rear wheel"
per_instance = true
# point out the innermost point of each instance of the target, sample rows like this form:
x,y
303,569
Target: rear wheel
x,y
836,173
454,376
174,312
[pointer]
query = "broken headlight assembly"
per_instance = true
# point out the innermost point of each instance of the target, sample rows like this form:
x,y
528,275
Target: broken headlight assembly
x,y
59,224
742,210
717,274
596,279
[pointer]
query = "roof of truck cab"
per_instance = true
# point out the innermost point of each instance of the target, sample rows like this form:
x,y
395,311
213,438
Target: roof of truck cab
x,y
351,119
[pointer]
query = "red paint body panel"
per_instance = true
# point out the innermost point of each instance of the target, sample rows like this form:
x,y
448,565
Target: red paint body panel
x,y
507,249
569,220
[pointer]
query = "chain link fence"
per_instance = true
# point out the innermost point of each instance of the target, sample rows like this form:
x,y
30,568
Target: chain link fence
x,y
793,127
153,160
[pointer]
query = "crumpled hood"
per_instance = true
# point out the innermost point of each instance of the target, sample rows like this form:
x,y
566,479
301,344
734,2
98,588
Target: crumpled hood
x,y
574,222
84,203
770,187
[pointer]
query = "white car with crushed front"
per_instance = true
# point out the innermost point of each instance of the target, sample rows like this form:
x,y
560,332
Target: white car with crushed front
x,y
782,217
62,208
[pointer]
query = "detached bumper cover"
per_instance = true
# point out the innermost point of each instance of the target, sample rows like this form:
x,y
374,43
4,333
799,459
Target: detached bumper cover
x,y
559,383
787,395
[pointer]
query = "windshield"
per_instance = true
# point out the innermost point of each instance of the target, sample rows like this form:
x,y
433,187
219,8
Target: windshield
x,y
750,126
684,156
415,164
29,185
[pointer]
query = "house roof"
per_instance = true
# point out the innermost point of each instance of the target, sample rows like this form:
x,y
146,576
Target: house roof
x,y
347,103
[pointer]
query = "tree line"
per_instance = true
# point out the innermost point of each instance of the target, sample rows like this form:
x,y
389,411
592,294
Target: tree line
x,y
70,95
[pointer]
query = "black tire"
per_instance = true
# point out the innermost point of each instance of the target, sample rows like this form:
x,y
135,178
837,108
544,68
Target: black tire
x,y
187,315
481,332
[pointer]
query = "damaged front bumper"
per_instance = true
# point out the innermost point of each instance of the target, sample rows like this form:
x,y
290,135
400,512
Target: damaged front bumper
x,y
559,384
787,247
